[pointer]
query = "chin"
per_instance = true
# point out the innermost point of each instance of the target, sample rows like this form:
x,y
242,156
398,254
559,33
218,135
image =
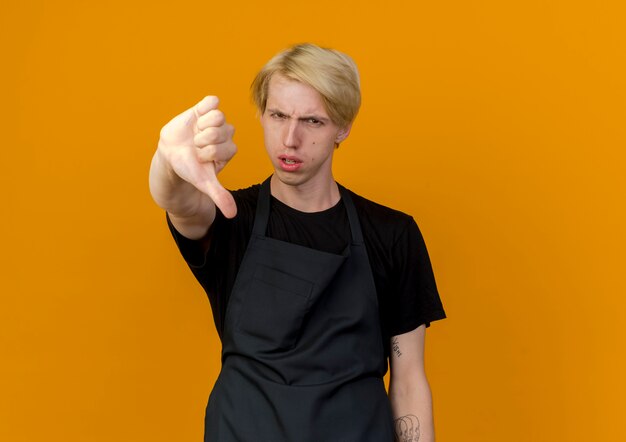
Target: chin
x,y
290,179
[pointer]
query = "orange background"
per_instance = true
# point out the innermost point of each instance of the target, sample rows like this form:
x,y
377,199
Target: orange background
x,y
500,126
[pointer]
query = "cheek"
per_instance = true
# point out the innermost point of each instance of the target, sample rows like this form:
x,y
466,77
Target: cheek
x,y
269,137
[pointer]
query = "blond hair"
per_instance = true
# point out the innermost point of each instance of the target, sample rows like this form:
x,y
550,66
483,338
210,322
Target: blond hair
x,y
332,74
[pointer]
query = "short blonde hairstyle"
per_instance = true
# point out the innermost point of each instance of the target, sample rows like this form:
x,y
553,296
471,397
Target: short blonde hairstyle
x,y
331,73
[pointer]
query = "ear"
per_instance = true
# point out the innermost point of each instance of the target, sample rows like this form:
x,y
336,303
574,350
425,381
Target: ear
x,y
343,133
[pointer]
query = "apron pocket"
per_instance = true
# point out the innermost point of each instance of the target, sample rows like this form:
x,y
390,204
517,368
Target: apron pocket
x,y
274,308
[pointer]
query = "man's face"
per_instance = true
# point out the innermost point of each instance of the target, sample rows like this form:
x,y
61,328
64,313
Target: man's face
x,y
299,136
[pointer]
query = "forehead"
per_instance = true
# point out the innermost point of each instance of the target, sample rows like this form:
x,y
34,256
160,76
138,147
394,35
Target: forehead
x,y
294,97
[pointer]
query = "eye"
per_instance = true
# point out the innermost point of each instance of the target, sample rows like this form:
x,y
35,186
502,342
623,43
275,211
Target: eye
x,y
278,115
314,122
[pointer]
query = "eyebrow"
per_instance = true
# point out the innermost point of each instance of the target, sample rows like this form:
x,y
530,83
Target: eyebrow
x,y
302,118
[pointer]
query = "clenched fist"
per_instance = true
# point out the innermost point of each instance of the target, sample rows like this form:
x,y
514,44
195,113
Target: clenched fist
x,y
197,144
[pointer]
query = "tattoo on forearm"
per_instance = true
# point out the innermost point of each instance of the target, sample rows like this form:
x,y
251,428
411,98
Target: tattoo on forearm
x,y
396,347
407,428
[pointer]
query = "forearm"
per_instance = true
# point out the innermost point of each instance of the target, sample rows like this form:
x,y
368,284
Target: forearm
x,y
411,404
190,210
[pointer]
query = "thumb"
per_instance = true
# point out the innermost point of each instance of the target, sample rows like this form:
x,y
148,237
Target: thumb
x,y
220,196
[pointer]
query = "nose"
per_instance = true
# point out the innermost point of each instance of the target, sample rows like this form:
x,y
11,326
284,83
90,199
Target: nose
x,y
291,137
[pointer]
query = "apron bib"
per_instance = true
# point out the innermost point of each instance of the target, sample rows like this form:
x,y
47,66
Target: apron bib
x,y
302,355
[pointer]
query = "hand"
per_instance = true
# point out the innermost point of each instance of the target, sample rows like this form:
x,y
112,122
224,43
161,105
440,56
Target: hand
x,y
197,144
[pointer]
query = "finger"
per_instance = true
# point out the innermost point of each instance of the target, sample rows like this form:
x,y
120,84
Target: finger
x,y
216,152
213,135
191,115
213,118
205,105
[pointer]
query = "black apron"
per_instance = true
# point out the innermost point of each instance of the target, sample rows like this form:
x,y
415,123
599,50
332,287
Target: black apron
x,y
302,356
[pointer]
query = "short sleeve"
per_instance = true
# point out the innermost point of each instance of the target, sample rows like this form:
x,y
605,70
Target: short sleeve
x,y
193,250
416,299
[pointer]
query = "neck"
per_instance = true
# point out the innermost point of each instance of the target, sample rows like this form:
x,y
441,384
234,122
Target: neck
x,y
307,197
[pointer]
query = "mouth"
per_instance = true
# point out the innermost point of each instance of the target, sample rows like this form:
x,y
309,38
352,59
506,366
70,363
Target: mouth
x,y
289,163
289,160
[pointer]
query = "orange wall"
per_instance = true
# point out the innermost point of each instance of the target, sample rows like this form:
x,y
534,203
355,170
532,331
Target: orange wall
x,y
499,125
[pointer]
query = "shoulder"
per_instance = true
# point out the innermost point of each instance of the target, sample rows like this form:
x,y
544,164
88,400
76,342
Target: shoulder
x,y
380,220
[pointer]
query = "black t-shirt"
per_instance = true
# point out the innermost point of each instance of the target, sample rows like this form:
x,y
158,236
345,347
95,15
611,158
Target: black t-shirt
x,y
405,284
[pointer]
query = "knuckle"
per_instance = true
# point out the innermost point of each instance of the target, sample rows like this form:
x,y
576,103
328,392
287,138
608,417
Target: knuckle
x,y
215,134
200,139
213,118
217,117
207,153
207,136
202,123
197,139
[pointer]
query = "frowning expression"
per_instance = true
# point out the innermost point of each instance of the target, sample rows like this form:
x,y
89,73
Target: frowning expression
x,y
300,138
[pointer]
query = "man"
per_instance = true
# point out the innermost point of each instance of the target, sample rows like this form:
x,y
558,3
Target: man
x,y
312,287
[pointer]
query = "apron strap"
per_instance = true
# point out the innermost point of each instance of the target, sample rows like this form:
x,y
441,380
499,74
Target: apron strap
x,y
262,209
353,219
263,212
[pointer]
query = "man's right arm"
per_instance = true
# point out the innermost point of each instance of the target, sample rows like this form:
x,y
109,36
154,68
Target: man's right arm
x,y
193,147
